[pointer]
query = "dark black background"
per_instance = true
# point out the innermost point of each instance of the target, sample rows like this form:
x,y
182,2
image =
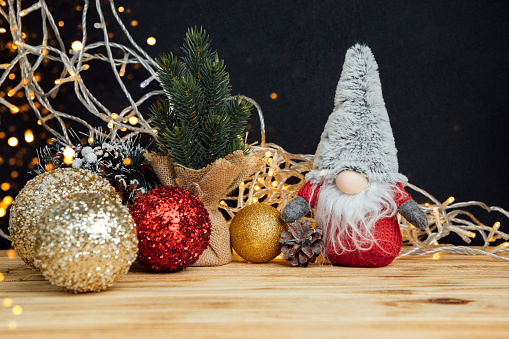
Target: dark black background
x,y
443,67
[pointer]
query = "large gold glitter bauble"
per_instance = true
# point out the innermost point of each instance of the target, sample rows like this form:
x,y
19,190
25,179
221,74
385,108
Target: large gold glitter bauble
x,y
85,242
255,232
42,192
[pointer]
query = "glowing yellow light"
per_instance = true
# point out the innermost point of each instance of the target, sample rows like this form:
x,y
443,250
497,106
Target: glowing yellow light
x,y
90,140
17,310
1,277
256,187
436,256
134,23
3,212
470,234
7,200
2,30
14,109
121,9
496,226
127,161
114,115
274,183
76,46
271,172
58,81
241,186
7,302
447,202
5,186
39,122
273,96
11,93
29,136
11,254
110,124
255,200
48,167
133,120
223,203
123,129
12,325
12,141
68,152
154,131
68,160
267,154
61,23
151,41
12,76
14,174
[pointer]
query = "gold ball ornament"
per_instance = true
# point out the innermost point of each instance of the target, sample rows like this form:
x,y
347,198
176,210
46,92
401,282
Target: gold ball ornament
x,y
255,232
42,192
85,242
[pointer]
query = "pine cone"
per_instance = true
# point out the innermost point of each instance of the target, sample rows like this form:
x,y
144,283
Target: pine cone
x,y
302,244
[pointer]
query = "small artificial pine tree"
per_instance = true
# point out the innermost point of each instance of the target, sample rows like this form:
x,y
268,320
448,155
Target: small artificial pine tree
x,y
198,122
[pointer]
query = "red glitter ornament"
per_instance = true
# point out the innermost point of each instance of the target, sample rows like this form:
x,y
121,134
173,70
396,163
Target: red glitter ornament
x,y
173,228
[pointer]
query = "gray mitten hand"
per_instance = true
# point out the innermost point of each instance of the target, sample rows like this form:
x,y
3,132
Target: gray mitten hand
x,y
295,209
411,211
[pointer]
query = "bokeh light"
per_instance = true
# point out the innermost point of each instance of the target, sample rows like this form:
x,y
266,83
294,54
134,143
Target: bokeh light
x,y
76,46
151,41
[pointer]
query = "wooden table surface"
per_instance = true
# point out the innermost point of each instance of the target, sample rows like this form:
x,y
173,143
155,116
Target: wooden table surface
x,y
453,297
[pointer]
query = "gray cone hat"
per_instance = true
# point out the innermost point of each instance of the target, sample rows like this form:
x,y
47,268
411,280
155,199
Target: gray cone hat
x,y
357,135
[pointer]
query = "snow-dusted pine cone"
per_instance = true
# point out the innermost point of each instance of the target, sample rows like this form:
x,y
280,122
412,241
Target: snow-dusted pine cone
x,y
302,244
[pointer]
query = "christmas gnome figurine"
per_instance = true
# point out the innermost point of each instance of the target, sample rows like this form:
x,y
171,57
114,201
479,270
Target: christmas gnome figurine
x,y
355,185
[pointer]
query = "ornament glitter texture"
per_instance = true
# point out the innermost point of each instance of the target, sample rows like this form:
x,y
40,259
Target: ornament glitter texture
x,y
85,242
42,192
255,232
173,228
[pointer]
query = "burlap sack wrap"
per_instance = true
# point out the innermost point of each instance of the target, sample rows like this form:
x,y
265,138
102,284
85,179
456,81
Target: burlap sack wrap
x,y
210,184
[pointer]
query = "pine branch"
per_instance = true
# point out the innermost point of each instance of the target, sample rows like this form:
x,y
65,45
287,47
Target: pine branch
x,y
240,111
214,137
216,85
198,124
187,102
170,68
196,49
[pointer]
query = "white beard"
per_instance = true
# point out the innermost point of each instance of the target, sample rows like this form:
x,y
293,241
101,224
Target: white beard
x,y
353,216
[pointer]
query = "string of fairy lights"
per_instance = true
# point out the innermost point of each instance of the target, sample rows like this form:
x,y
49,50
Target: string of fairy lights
x,y
280,173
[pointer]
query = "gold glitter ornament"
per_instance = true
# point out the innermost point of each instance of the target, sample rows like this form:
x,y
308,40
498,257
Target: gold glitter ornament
x,y
85,242
42,192
255,232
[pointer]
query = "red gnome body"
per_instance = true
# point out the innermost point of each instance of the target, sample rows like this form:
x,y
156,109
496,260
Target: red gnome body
x,y
354,186
386,233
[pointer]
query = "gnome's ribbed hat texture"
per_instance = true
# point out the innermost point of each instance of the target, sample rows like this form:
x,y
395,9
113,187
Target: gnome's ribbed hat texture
x,y
357,135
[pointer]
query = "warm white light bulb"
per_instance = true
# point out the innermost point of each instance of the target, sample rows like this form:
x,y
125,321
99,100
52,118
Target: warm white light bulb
x,y
76,46
68,152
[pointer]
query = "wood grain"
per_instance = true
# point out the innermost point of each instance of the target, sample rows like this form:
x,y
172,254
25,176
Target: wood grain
x,y
456,296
